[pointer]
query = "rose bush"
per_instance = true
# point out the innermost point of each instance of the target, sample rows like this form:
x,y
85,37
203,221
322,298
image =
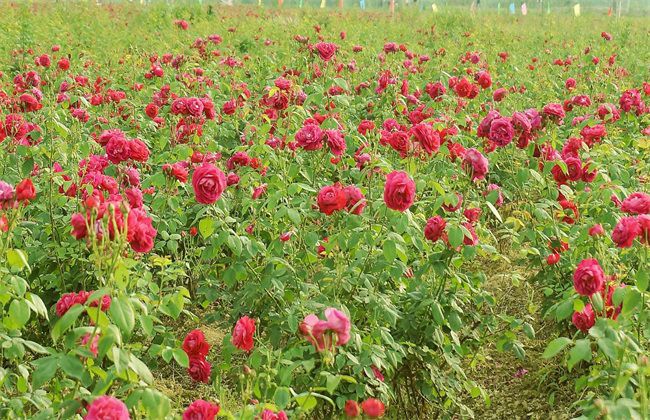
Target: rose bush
x,y
331,202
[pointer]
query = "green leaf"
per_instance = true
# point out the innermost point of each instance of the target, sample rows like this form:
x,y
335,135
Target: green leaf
x,y
234,243
642,277
18,314
121,312
437,313
456,236
390,250
306,402
556,346
529,330
332,383
206,227
46,368
564,310
282,397
141,369
494,211
581,351
35,347
155,403
631,300
181,357
294,216
608,347
72,366
17,259
66,321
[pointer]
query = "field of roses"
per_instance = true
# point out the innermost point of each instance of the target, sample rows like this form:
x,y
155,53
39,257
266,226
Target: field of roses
x,y
251,213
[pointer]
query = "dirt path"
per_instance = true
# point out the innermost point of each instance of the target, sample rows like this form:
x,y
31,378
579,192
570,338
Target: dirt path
x,y
532,388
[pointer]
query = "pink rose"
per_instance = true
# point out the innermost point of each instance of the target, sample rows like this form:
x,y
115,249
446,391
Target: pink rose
x,y
340,324
91,346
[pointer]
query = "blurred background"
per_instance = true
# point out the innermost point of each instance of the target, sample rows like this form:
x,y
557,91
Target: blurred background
x,y
612,8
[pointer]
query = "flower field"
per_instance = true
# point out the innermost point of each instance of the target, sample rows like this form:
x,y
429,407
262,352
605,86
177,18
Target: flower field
x,y
255,213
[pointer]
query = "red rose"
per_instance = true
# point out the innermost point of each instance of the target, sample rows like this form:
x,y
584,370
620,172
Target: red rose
x,y
588,277
331,198
201,410
151,110
140,232
635,203
326,50
435,228
179,106
644,226
310,137
118,149
79,228
199,369
472,214
463,88
65,302
195,345
229,107
501,131
596,230
625,231
355,201
242,335
335,141
399,191
475,162
499,94
194,106
352,409
25,190
427,137
209,183
584,319
373,408
138,150
553,259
